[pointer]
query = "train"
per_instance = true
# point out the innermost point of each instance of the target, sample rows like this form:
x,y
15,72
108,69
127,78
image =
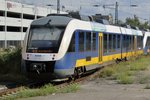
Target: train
x,y
62,46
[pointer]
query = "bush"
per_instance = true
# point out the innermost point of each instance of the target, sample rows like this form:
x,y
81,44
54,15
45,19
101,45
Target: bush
x,y
10,61
106,72
124,79
147,86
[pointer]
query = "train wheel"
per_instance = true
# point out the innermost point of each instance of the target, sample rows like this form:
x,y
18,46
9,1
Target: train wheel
x,y
79,71
76,73
84,69
117,60
70,78
126,59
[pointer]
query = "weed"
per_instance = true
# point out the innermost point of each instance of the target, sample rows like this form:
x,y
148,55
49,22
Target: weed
x,y
124,78
45,90
70,88
137,66
125,71
144,80
147,86
106,72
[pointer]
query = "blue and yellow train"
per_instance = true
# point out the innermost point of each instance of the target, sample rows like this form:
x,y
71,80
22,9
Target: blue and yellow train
x,y
60,46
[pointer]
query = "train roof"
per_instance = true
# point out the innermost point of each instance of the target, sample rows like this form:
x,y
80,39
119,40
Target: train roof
x,y
53,20
63,20
123,30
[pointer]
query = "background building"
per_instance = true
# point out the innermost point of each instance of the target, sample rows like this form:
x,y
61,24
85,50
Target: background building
x,y
14,20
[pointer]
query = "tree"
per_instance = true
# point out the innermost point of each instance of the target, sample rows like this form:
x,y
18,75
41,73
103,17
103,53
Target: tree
x,y
133,21
136,22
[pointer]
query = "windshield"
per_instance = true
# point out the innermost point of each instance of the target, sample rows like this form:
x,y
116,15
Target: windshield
x,y
44,39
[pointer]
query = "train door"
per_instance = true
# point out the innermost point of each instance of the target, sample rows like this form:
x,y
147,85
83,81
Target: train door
x,y
100,48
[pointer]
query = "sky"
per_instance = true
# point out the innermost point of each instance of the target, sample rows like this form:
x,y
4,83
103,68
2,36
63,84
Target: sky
x,y
142,9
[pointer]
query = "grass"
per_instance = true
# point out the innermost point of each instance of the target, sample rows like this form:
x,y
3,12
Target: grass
x,y
43,91
124,78
70,88
124,72
109,71
144,80
147,86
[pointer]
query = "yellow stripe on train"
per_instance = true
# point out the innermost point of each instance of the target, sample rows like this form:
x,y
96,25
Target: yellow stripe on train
x,y
94,60
83,62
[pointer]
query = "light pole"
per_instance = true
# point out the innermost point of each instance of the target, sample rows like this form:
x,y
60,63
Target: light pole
x,y
116,13
58,6
116,9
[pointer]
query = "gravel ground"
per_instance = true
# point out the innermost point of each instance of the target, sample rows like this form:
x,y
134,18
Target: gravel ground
x,y
102,89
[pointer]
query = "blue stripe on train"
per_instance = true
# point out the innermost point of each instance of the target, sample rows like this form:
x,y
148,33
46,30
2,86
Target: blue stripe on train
x,y
69,60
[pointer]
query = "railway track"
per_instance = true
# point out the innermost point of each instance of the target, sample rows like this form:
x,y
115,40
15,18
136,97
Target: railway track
x,y
13,90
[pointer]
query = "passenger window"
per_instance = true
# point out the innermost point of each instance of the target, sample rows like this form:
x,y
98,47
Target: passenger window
x,y
94,41
105,43
139,42
114,42
132,42
127,42
118,41
110,43
81,41
88,41
124,41
72,44
129,46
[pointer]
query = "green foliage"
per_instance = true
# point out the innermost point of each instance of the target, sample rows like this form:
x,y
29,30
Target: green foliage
x,y
45,90
70,88
144,80
133,22
106,72
124,72
147,86
136,22
10,61
124,78
137,66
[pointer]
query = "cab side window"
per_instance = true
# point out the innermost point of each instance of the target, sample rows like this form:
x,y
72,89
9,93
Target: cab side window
x,y
72,44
